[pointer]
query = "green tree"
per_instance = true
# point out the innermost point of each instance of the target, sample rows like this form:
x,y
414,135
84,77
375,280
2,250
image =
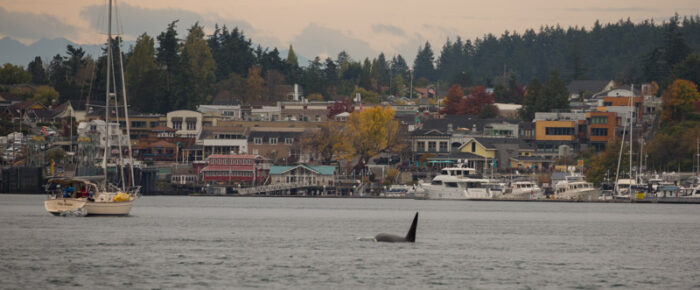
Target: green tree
x,y
605,163
198,69
11,74
142,78
423,65
36,69
168,60
45,94
688,69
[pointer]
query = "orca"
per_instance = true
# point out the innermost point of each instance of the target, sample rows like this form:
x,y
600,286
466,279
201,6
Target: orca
x,y
409,238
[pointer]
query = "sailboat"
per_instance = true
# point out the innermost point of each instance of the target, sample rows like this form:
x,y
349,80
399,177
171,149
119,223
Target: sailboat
x,y
84,195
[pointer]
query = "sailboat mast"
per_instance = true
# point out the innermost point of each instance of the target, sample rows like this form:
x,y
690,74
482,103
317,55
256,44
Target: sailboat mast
x,y
631,133
128,124
109,62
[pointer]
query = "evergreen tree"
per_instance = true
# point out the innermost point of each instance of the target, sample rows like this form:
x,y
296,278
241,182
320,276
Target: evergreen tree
x,y
168,60
423,65
143,78
36,69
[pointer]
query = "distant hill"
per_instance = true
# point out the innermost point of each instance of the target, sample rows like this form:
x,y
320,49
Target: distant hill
x,y
18,53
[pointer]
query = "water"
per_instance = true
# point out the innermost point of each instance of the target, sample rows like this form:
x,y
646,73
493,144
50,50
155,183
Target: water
x,y
300,243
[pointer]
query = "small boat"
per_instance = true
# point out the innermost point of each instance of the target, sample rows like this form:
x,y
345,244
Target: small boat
x,y
71,194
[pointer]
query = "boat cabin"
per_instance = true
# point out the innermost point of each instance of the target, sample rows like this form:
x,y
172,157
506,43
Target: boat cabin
x,y
70,188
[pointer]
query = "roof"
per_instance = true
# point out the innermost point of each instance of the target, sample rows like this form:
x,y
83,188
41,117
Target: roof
x,y
7,96
320,169
247,156
228,168
491,143
533,158
586,86
463,121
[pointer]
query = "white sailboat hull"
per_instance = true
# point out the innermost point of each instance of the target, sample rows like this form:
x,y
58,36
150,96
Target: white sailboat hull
x,y
56,206
59,205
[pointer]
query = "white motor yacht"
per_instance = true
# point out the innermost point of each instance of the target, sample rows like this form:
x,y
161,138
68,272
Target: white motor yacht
x,y
458,183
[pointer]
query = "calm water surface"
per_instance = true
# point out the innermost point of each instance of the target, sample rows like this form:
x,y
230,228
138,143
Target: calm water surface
x,y
300,243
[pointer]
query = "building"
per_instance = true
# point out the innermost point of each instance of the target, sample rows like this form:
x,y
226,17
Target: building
x,y
495,152
223,140
235,169
321,175
588,88
187,123
600,129
277,144
304,111
554,130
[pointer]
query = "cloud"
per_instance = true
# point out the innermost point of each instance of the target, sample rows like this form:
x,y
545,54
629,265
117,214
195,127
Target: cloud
x,y
388,28
26,25
315,40
136,20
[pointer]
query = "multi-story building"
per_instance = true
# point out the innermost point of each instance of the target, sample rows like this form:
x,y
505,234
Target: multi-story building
x,y
223,140
235,169
601,128
305,111
553,130
187,123
277,144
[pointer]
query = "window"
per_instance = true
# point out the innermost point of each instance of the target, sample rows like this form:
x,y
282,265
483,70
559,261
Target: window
x,y
177,125
559,131
154,124
138,124
599,131
473,146
191,125
273,141
443,146
318,118
431,146
257,140
289,141
599,120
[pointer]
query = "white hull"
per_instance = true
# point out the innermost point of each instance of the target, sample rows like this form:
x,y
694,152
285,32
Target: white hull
x,y
443,192
527,194
56,206
583,195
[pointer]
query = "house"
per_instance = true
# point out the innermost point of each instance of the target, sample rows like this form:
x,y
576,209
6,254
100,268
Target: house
x,y
495,152
321,175
141,124
235,169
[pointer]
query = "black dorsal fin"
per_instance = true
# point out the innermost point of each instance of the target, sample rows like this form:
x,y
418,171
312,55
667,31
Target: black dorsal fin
x,y
411,236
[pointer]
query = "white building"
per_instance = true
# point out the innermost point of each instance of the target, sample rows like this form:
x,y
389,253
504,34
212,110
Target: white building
x,y
187,123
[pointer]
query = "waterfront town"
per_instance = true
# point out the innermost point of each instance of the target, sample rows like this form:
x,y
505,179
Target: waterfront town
x,y
227,148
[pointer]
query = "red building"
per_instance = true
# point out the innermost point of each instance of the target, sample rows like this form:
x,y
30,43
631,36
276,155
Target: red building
x,y
235,169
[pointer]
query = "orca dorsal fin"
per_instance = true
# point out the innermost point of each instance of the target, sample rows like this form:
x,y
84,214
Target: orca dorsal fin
x,y
411,235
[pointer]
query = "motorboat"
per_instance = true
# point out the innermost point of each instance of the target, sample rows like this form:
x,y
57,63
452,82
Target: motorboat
x,y
459,182
523,190
575,188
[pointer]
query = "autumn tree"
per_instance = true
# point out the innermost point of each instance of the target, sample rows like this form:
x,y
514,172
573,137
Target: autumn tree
x,y
453,100
327,141
679,100
370,132
45,94
476,101
254,85
604,163
340,106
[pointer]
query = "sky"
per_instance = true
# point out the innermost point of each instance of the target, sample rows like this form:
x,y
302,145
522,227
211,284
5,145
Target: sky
x,y
325,27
